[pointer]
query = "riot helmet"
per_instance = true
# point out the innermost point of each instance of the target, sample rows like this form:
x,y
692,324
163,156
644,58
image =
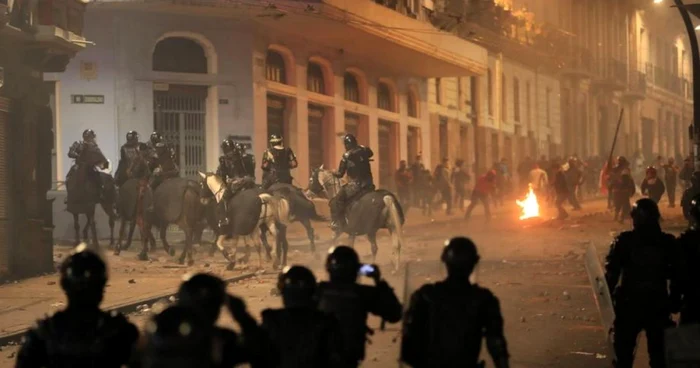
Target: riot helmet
x,y
275,139
205,294
83,278
132,137
645,213
176,337
342,264
350,141
156,138
622,161
89,135
459,256
240,147
651,172
297,285
228,146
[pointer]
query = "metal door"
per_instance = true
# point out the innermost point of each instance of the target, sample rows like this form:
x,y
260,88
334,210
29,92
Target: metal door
x,y
316,138
180,116
384,154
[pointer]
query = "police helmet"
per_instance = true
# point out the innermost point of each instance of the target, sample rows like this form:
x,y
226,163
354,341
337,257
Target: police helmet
x,y
83,273
297,284
459,252
645,212
89,134
275,139
621,160
651,171
156,138
350,141
227,145
342,264
204,293
132,136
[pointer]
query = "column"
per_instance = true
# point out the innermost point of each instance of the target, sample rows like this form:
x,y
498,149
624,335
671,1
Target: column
x,y
373,125
259,110
299,125
336,147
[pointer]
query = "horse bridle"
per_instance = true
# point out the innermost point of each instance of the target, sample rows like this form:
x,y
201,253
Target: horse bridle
x,y
331,179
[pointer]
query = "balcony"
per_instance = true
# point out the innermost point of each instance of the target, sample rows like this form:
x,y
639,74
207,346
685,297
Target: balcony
x,y
667,80
579,64
637,86
611,73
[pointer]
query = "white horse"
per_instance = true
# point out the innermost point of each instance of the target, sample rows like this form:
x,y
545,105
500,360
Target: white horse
x,y
273,211
363,218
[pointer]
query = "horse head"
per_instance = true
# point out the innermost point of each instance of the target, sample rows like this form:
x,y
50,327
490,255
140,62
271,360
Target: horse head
x,y
212,185
92,156
324,182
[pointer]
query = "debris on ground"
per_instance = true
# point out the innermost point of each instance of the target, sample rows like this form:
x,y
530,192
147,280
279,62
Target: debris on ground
x,y
132,281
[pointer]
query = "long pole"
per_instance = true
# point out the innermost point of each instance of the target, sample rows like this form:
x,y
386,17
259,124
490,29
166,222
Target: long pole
x,y
617,131
696,85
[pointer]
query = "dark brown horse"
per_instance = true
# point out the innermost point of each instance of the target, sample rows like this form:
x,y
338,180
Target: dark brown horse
x,y
83,193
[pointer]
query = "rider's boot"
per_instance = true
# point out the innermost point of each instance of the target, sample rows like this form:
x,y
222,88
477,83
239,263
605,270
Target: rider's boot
x,y
337,217
222,214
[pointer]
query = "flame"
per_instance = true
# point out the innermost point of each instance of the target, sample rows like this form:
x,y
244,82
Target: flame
x,y
529,207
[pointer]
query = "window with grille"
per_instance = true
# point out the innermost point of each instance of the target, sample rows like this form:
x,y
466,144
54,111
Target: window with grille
x,y
352,88
179,55
384,97
516,99
314,78
412,105
275,69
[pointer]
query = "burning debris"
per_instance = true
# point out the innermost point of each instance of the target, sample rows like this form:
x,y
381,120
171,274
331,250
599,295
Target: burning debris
x,y
529,208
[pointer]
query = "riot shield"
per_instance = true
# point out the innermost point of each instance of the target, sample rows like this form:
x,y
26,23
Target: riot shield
x,y
601,294
682,347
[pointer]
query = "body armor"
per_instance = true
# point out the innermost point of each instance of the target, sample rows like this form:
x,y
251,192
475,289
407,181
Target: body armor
x,y
165,164
79,339
75,152
446,322
356,164
303,337
249,164
129,153
277,164
350,304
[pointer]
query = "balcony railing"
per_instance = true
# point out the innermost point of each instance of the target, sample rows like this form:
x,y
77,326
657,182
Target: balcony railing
x,y
638,82
403,7
63,14
667,80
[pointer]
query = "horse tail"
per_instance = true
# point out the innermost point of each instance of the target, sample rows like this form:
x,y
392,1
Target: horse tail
x,y
395,225
310,209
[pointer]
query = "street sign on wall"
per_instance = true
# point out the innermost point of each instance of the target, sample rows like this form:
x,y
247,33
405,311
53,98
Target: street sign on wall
x,y
88,99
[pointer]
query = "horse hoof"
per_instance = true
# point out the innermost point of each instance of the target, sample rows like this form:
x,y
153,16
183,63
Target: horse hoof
x,y
143,257
230,266
171,252
190,262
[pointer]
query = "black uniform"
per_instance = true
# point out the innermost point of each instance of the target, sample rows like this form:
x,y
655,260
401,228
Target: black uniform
x,y
446,322
277,163
81,335
645,259
654,188
164,164
356,163
689,243
248,161
75,152
688,195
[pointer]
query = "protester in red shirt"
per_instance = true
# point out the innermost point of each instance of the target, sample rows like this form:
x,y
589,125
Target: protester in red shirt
x,y
485,185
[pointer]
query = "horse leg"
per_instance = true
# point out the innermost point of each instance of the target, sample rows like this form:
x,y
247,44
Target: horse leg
x,y
372,237
93,229
143,255
351,241
76,227
166,246
85,229
311,235
189,238
263,237
230,257
122,229
279,247
110,212
132,227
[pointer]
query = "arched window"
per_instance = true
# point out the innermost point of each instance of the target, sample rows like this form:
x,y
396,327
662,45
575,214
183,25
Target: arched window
x,y
314,78
384,98
352,88
412,104
179,55
275,69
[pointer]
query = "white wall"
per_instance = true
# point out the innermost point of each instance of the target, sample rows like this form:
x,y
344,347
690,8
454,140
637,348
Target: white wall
x,y
123,51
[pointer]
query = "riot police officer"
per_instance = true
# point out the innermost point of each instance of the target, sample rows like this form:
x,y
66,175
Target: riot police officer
x,y
643,261
277,162
75,151
300,334
689,243
232,171
355,163
81,335
247,159
446,321
688,195
129,152
205,294
351,302
164,164
178,338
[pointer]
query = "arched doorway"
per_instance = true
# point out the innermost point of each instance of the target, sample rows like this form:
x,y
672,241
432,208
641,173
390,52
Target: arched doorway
x,y
179,110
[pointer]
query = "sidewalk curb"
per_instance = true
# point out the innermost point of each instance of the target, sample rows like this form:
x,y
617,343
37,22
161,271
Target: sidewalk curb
x,y
126,308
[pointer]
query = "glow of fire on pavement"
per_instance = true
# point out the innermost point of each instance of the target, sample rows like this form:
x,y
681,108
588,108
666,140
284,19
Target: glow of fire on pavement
x,y
529,208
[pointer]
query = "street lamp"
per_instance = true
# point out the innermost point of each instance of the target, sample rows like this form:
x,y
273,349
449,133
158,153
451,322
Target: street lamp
x,y
685,11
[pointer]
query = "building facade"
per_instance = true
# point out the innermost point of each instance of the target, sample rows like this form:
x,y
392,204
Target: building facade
x,y
198,71
35,38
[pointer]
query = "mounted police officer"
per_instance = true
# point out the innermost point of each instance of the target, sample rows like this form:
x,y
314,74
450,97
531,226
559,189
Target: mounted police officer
x,y
81,335
446,321
643,261
248,160
356,163
77,149
233,172
129,152
205,294
277,162
351,302
300,334
164,164
689,242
